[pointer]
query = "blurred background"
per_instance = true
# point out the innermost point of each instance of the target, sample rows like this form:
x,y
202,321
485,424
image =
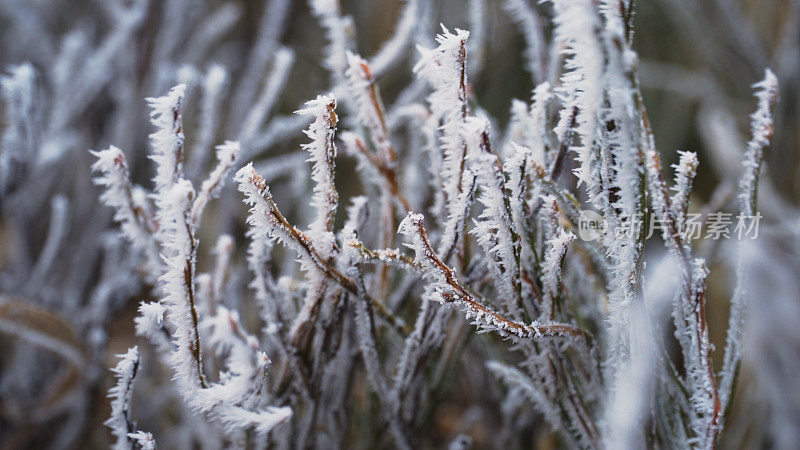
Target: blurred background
x,y
93,67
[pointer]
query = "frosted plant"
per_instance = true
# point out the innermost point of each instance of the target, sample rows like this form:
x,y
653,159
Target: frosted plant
x,y
620,168
48,101
411,263
120,422
444,67
576,25
227,155
685,171
131,208
762,130
178,214
322,153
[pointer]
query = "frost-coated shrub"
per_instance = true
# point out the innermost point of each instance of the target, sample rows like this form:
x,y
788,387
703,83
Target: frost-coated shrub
x,y
283,302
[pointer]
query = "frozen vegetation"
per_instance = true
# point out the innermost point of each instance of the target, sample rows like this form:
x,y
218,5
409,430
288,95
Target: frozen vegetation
x,y
217,231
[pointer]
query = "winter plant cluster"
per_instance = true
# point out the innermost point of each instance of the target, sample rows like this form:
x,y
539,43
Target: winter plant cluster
x,y
269,319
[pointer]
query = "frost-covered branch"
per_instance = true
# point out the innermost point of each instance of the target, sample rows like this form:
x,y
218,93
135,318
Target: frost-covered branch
x,y
167,140
227,155
495,228
130,204
444,68
762,130
322,151
267,222
538,261
283,59
448,289
122,426
576,26
370,109
685,171
214,86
